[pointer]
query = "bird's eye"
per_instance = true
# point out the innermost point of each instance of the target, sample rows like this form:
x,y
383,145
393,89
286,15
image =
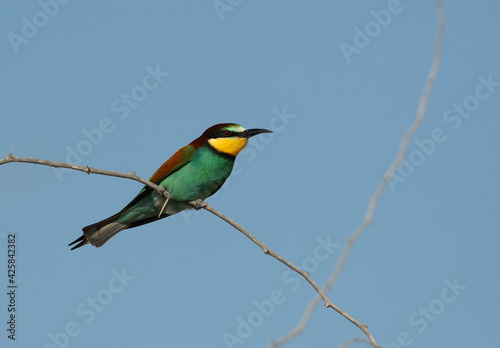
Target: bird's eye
x,y
227,133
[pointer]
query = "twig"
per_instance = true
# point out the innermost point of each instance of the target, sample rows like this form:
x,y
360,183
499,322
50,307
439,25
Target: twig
x,y
200,205
305,275
380,189
86,169
163,208
354,340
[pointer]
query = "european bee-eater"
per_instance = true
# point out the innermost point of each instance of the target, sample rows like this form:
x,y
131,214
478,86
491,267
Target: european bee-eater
x,y
195,171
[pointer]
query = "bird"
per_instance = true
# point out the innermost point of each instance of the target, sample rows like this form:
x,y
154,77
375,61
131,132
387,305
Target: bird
x,y
194,172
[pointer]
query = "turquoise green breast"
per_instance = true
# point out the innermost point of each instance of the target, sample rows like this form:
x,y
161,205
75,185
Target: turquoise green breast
x,y
198,179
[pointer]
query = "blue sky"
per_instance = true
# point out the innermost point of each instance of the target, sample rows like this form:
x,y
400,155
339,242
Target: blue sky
x,y
122,86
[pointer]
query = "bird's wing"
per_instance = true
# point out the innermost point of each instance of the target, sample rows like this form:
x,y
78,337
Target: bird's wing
x,y
178,160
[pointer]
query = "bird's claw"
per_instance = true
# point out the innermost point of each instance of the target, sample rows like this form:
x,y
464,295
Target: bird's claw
x,y
199,204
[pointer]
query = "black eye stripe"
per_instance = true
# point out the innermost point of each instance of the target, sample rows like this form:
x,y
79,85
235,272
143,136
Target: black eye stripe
x,y
223,134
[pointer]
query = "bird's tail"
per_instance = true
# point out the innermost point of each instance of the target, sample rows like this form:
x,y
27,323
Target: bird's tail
x,y
99,233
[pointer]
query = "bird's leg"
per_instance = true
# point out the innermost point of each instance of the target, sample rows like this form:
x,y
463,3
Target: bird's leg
x,y
161,191
199,204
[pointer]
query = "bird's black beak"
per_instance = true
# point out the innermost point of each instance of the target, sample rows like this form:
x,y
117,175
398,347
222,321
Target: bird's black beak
x,y
251,132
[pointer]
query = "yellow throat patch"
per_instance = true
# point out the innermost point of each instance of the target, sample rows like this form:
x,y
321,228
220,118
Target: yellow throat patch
x,y
231,146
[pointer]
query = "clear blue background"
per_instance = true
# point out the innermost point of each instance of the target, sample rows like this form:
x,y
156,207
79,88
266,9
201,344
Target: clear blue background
x,y
194,274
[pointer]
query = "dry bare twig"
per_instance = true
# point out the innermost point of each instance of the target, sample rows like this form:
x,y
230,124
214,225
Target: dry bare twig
x,y
382,186
200,205
354,340
86,169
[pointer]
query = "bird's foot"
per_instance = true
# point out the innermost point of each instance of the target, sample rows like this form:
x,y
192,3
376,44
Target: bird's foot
x,y
199,204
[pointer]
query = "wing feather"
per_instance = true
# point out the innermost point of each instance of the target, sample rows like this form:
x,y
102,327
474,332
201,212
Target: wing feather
x,y
180,158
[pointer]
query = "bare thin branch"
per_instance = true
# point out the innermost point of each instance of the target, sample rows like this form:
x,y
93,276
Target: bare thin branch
x,y
354,340
163,208
305,275
380,189
86,169
200,205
